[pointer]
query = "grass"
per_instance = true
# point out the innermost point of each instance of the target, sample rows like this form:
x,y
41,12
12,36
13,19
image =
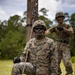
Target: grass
x,y
63,68
6,67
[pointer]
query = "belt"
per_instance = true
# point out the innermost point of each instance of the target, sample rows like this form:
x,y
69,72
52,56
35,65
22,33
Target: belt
x,y
64,41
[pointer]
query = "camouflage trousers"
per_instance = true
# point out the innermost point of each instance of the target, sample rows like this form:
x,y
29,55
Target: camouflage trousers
x,y
63,52
25,68
18,69
30,70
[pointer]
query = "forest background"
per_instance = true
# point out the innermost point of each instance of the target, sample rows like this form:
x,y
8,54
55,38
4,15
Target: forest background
x,y
13,33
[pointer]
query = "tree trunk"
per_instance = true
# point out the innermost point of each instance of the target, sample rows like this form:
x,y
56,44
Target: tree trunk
x,y
32,16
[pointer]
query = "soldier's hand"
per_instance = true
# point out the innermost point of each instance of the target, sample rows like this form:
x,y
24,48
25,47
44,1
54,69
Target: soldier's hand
x,y
16,60
47,32
59,28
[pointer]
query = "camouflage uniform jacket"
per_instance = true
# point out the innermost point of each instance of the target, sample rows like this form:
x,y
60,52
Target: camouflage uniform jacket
x,y
40,54
62,35
63,47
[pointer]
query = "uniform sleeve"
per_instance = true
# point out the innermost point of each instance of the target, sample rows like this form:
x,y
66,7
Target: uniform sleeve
x,y
53,61
27,48
26,52
52,47
52,29
69,27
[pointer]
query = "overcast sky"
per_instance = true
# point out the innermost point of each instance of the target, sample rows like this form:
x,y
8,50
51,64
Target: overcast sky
x,y
12,7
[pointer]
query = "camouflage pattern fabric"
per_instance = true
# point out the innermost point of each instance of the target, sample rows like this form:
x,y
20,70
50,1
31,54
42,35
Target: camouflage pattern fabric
x,y
59,14
18,68
63,49
62,35
41,56
39,22
63,52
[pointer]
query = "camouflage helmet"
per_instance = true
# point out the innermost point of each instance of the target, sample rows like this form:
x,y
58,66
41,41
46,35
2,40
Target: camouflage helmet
x,y
59,14
39,22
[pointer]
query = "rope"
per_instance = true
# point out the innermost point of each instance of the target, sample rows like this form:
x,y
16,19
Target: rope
x,y
26,54
25,63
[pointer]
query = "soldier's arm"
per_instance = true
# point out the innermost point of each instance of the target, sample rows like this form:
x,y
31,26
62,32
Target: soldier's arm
x,y
49,31
26,52
68,30
53,59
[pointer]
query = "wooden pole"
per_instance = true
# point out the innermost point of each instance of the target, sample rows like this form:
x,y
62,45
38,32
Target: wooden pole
x,y
32,16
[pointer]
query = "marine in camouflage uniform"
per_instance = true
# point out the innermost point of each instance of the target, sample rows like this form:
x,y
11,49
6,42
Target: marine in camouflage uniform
x,y
40,52
64,32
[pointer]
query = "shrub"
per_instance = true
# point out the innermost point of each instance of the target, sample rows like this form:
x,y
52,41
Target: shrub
x,y
73,59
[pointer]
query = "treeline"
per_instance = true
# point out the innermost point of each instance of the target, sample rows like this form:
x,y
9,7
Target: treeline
x,y
12,37
13,34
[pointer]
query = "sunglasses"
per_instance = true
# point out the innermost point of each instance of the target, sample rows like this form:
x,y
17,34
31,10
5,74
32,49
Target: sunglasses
x,y
41,27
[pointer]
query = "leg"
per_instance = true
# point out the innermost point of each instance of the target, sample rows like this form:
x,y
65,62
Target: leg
x,y
15,70
59,57
59,61
18,68
66,60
